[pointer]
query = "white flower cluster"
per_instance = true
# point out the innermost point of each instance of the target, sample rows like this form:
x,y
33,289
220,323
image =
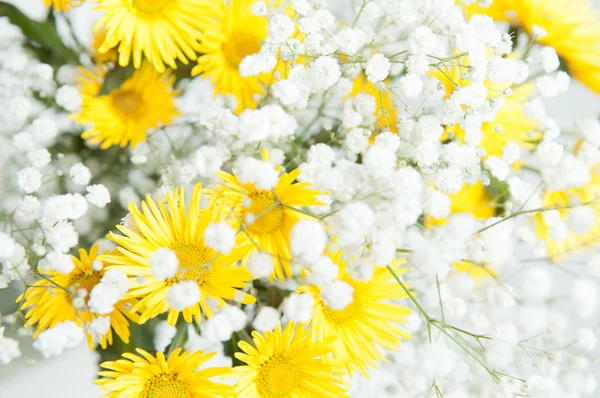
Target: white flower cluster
x,y
426,136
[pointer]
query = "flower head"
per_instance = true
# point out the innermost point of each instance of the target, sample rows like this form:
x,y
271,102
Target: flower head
x,y
69,297
287,363
162,31
124,116
214,275
178,376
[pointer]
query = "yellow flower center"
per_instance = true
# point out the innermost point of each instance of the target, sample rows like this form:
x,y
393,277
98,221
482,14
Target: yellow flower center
x,y
269,216
193,260
339,317
277,378
239,45
149,6
86,280
165,386
128,102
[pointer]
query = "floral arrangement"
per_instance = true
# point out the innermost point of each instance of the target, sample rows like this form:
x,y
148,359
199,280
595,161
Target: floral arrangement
x,y
303,198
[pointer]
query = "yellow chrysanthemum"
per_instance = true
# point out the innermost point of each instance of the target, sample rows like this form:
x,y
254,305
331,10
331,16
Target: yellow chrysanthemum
x,y
510,125
162,31
177,376
386,114
238,33
268,215
287,364
573,28
124,116
473,199
590,194
60,5
110,55
159,226
48,304
369,322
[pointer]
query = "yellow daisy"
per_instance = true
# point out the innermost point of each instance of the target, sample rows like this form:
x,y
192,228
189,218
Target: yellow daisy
x,y
159,226
236,34
369,322
573,28
124,116
146,376
162,31
59,5
50,301
590,193
273,211
287,364
386,114
476,200
510,125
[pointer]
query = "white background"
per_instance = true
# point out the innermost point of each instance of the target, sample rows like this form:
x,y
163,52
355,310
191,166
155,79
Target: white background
x,y
71,375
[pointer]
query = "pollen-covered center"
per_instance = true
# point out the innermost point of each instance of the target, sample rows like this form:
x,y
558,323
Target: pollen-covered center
x,y
128,102
239,45
277,378
263,215
149,6
86,280
165,386
339,317
193,260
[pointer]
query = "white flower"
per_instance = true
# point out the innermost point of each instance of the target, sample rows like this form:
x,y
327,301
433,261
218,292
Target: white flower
x,y
220,237
63,335
164,264
208,160
183,295
260,265
262,174
378,68
69,98
550,61
28,210
308,239
324,73
337,295
39,158
62,236
411,85
80,174
163,335
99,327
266,320
280,28
98,195
29,180
59,262
299,307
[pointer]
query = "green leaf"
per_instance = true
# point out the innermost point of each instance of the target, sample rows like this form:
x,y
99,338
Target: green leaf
x,y
42,36
115,78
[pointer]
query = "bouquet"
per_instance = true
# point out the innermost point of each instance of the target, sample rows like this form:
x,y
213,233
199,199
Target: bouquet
x,y
302,198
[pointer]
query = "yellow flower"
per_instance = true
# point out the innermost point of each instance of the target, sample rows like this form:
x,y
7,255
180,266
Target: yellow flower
x,y
59,5
568,199
273,211
124,116
287,364
386,114
473,199
573,28
510,125
49,304
366,324
177,376
162,31
159,226
236,34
